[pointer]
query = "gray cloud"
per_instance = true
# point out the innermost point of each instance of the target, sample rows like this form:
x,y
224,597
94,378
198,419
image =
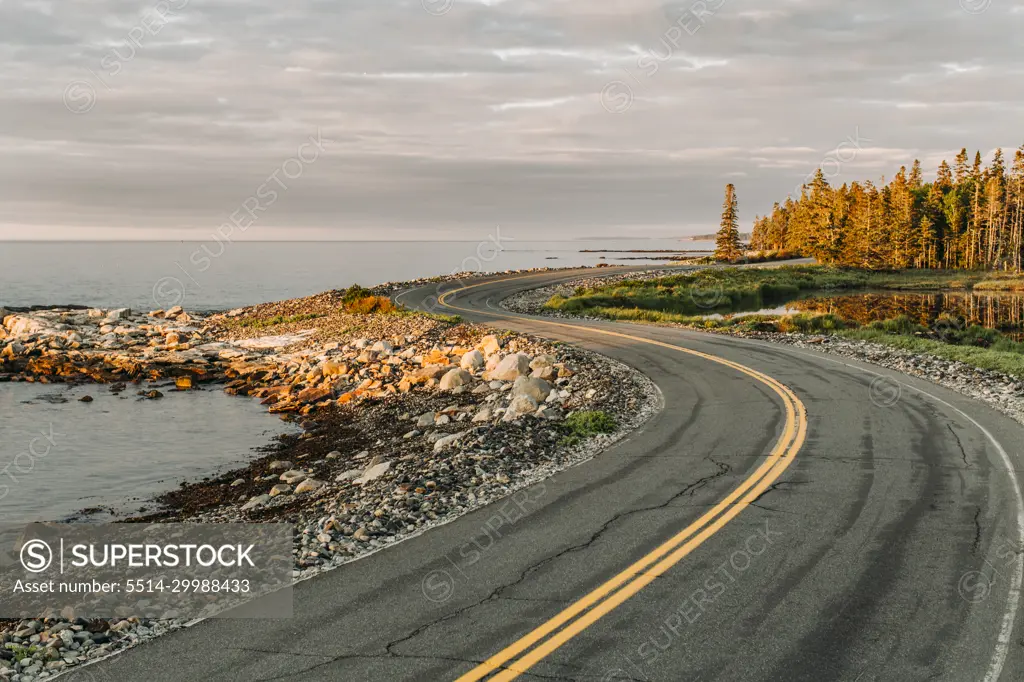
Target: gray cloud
x,y
559,117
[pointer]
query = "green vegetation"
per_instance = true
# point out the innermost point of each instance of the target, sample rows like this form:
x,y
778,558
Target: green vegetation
x,y
1002,355
688,300
22,652
354,293
587,423
725,290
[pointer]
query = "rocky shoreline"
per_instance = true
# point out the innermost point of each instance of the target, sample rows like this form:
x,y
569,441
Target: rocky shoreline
x,y
408,421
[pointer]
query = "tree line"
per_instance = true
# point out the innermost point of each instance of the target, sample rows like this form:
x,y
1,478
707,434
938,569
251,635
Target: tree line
x,y
969,217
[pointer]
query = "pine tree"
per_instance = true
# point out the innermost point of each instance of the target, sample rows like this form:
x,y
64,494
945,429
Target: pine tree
x,y
727,243
970,216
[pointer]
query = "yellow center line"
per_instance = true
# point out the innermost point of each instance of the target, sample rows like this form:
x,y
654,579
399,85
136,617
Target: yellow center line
x,y
614,592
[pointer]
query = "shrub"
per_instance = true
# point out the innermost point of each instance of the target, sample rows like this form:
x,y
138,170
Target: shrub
x,y
371,304
354,293
590,422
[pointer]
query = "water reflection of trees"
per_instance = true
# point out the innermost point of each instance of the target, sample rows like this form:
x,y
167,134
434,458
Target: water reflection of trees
x,y
1004,312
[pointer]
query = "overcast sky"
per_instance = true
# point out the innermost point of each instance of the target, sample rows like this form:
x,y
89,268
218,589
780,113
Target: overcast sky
x,y
442,118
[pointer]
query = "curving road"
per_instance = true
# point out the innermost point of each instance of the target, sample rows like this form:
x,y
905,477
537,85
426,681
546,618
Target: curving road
x,y
787,516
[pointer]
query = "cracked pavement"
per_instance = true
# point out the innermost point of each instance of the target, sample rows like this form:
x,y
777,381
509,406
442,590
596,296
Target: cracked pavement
x,y
867,536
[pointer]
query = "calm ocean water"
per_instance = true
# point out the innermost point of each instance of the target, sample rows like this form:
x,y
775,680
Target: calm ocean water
x,y
59,457
214,276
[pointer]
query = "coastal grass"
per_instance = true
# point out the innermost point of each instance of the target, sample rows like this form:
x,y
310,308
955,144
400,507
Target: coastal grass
x,y
724,290
1006,356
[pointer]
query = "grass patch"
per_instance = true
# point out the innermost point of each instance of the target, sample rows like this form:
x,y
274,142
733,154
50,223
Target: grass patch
x,y
22,652
587,423
996,357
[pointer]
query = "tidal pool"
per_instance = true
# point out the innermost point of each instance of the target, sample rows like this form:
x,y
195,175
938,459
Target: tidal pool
x,y
59,455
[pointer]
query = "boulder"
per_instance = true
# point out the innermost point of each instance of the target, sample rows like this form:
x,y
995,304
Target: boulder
x,y
12,350
373,473
173,312
329,368
21,326
312,394
293,476
512,367
542,361
279,464
257,501
520,405
425,419
473,360
489,345
455,378
308,485
444,442
484,415
118,314
546,372
538,389
425,374
280,489
383,347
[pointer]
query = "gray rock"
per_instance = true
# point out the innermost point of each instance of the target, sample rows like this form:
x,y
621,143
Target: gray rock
x,y
308,485
373,473
444,442
426,419
542,361
538,389
280,489
455,378
254,502
520,405
511,367
349,475
293,476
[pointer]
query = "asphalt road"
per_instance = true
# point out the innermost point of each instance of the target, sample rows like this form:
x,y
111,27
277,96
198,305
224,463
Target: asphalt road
x,y
888,548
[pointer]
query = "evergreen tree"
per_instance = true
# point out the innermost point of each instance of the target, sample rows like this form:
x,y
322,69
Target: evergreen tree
x,y
727,243
971,216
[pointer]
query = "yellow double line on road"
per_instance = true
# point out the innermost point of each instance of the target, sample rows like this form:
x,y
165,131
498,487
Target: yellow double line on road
x,y
526,652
